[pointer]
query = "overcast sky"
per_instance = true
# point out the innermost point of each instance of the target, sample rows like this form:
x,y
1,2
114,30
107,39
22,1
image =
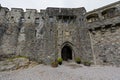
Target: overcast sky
x,y
42,4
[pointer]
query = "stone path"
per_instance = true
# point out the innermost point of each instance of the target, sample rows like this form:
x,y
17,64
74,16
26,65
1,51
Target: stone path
x,y
63,72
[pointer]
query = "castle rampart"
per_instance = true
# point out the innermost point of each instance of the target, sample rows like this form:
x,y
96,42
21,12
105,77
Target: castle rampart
x,y
62,32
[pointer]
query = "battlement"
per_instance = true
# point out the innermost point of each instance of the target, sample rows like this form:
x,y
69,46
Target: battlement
x,y
17,10
18,15
104,16
30,15
64,11
31,10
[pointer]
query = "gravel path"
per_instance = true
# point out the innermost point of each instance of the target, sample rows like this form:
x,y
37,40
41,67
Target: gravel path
x,y
63,72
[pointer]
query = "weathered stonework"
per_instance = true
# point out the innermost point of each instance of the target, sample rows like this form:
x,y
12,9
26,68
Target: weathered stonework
x,y
62,32
104,27
106,46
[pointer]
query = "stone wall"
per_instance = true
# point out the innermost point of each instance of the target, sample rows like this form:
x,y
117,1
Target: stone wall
x,y
40,36
107,46
20,33
70,29
104,26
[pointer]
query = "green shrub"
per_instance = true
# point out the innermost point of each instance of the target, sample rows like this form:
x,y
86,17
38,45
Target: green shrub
x,y
78,60
14,57
59,60
54,64
87,63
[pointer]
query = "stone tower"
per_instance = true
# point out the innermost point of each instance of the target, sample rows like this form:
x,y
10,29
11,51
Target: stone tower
x,y
66,29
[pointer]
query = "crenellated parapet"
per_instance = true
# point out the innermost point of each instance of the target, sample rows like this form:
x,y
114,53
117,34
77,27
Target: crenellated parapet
x,y
18,15
65,11
104,16
15,15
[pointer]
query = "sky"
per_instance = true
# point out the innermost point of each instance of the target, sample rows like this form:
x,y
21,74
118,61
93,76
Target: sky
x,y
43,4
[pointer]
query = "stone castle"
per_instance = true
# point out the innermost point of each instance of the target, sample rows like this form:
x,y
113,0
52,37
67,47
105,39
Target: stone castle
x,y
62,32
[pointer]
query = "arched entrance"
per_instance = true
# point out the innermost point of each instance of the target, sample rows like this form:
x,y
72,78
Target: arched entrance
x,y
66,53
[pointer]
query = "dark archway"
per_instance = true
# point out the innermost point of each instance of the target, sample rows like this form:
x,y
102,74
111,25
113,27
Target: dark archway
x,y
66,53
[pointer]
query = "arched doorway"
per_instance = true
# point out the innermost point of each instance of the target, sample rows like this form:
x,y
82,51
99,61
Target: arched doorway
x,y
66,53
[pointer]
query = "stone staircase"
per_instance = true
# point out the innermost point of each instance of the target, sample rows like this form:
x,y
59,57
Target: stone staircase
x,y
72,64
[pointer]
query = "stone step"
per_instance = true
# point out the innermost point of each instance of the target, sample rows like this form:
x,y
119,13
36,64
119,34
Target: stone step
x,y
72,64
